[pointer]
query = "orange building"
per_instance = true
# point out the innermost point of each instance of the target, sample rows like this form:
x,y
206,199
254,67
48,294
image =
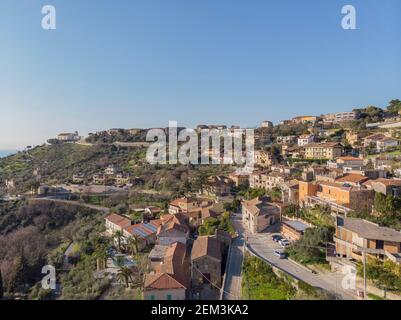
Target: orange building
x,y
336,195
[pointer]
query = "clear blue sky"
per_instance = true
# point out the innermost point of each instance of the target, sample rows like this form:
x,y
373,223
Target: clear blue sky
x,y
141,63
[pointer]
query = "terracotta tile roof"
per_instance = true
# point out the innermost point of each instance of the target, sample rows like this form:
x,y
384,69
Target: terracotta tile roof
x,y
260,206
166,217
156,222
154,209
376,137
118,220
160,281
172,272
388,182
209,213
172,225
352,178
206,246
179,201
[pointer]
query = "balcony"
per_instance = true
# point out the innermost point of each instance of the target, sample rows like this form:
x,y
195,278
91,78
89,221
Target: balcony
x,y
313,200
358,249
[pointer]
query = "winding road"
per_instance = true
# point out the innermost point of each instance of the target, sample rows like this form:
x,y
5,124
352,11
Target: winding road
x,y
263,246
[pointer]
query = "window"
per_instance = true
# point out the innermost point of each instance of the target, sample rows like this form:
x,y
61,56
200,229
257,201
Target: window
x,y
152,297
169,297
379,244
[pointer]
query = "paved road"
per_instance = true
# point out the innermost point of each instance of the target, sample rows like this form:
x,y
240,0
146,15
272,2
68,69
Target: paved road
x,y
263,246
232,285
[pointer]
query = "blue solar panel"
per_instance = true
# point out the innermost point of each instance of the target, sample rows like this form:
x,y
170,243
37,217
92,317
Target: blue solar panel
x,y
140,232
151,227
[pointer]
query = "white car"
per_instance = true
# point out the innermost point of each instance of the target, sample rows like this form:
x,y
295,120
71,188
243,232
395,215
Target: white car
x,y
284,242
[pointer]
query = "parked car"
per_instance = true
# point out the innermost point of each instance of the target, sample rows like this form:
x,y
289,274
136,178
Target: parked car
x,y
277,238
280,254
284,243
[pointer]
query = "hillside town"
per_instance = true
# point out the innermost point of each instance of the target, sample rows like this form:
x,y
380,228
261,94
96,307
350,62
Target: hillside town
x,y
322,203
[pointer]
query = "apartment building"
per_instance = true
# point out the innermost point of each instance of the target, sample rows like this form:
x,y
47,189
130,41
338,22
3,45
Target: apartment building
x,y
264,159
304,119
354,237
380,141
115,222
286,139
323,151
339,117
239,179
267,181
339,197
348,162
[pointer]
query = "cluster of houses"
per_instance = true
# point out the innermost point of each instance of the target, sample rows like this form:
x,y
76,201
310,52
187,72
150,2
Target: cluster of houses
x,y
111,176
308,146
181,265
341,183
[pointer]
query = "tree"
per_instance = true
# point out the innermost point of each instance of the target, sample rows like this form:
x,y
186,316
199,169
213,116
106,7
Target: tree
x,y
310,248
125,275
234,206
118,235
101,255
132,245
394,106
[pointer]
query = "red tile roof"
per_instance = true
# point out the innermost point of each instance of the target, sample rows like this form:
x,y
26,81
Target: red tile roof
x,y
206,246
352,178
118,220
160,281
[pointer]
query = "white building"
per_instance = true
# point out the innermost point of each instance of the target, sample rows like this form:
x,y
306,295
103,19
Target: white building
x,y
305,139
266,124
